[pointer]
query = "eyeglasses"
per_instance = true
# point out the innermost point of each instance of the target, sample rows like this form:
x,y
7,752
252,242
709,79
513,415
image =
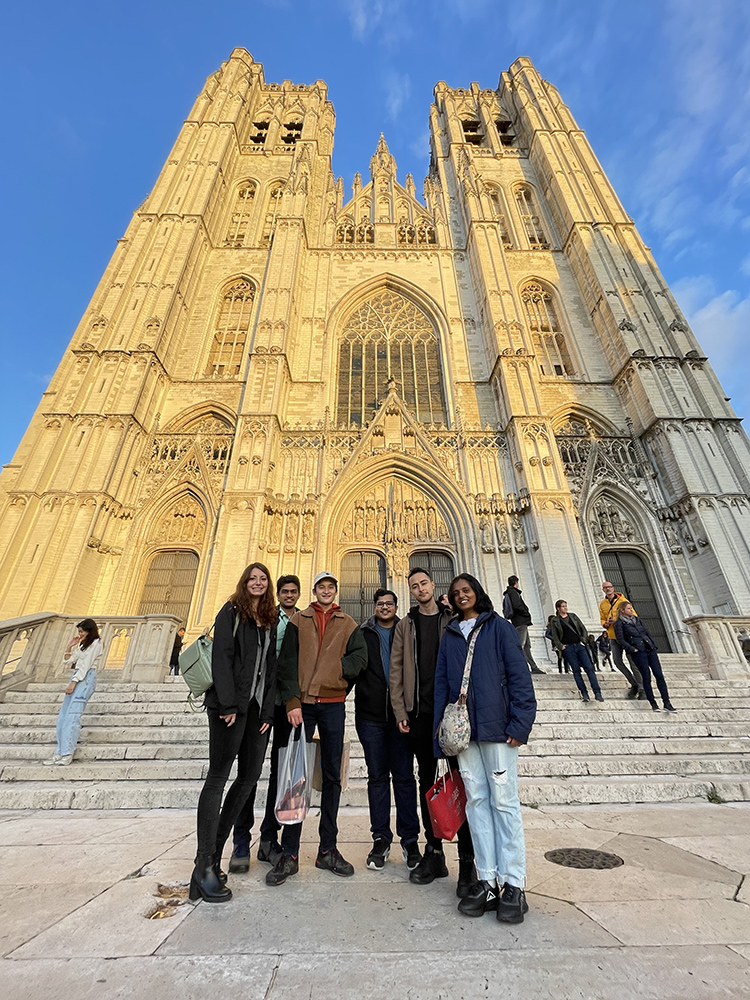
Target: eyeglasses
x,y
385,604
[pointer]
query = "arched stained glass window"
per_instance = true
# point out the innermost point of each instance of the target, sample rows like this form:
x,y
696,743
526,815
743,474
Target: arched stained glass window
x,y
389,337
230,331
547,335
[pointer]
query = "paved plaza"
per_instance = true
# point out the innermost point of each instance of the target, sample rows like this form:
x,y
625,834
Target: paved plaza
x,y
80,914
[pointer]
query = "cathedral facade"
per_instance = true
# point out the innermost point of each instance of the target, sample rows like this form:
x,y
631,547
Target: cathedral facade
x,y
493,377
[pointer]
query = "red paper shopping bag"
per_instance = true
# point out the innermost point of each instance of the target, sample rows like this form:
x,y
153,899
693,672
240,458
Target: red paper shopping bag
x,y
446,801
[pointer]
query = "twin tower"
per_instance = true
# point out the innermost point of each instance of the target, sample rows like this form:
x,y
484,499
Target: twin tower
x,y
490,375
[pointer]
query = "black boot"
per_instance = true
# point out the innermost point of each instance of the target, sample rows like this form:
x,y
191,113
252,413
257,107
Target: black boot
x,y
205,882
431,866
467,875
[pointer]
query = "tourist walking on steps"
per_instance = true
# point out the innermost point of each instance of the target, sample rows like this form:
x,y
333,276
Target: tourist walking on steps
x,y
84,654
570,637
517,613
502,708
605,648
634,637
240,712
174,659
322,653
387,752
558,654
609,608
288,592
412,682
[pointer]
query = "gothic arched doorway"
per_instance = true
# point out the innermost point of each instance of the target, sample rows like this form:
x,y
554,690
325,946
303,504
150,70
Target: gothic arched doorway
x,y
168,589
438,564
362,573
630,576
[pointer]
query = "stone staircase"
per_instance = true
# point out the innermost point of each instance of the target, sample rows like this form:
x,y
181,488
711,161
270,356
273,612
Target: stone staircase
x,y
141,747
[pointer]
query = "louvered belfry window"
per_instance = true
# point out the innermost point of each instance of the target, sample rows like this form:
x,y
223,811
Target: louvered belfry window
x,y
389,337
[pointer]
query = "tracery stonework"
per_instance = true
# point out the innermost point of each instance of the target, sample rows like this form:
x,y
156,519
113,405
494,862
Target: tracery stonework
x,y
448,370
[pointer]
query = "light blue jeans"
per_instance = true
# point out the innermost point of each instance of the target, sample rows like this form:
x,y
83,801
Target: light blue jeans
x,y
71,710
493,809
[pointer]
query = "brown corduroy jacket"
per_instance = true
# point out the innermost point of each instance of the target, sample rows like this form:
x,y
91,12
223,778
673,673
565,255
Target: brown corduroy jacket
x,y
306,673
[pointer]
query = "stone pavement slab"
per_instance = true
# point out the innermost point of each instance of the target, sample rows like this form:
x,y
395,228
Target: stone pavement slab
x,y
730,851
660,922
27,910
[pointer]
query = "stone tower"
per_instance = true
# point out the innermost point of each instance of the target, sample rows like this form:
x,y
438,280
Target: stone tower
x,y
494,378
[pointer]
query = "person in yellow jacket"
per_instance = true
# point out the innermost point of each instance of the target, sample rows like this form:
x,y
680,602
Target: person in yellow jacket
x,y
609,609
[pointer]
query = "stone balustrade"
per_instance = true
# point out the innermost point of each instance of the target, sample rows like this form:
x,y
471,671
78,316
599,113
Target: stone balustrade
x,y
136,647
721,642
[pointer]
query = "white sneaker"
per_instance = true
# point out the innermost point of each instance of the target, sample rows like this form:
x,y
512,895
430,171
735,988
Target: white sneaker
x,y
53,760
65,760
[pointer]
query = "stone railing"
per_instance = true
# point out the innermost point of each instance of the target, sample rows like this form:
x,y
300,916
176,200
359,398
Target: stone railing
x,y
136,648
722,642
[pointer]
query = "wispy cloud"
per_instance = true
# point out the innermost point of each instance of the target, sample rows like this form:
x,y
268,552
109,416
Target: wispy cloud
x,y
720,321
397,88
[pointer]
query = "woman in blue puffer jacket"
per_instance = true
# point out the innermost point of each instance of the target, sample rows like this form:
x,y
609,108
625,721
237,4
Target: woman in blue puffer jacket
x,y
502,708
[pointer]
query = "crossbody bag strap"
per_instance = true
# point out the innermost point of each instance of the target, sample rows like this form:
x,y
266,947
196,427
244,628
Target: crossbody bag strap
x,y
467,668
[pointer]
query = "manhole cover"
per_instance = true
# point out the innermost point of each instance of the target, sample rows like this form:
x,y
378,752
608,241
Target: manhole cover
x,y
582,857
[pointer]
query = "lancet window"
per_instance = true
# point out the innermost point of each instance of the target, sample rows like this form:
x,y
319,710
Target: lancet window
x,y
388,337
269,223
546,333
530,219
425,232
500,217
239,223
231,329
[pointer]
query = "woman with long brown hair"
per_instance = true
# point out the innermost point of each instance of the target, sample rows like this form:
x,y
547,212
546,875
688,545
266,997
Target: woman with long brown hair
x,y
83,653
240,706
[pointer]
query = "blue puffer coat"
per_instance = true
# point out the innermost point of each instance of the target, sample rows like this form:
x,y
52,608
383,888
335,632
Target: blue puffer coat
x,y
501,700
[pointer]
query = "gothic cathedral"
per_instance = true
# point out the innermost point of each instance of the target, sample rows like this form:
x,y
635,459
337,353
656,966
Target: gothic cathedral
x,y
492,378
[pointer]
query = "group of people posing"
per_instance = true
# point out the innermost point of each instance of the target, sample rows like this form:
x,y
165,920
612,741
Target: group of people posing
x,y
276,668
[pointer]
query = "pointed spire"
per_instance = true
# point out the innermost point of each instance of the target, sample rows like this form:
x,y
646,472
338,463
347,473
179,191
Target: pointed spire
x,y
357,185
382,162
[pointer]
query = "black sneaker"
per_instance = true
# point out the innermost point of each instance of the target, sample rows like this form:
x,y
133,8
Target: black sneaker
x,y
599,697
632,693
537,670
286,865
585,699
431,866
642,696
512,905
377,856
467,875
482,896
654,707
669,707
240,860
412,855
269,851
332,861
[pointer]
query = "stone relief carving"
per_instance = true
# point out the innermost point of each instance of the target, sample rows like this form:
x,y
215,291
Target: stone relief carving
x,y
609,524
185,522
395,512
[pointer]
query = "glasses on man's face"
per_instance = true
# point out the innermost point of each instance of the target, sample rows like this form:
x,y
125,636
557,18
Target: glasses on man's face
x,y
385,604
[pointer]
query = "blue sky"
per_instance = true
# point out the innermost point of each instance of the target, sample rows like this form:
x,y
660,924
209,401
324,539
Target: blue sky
x,y
95,94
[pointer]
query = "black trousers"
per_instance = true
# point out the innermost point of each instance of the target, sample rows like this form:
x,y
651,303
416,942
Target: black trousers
x,y
648,662
421,730
245,742
269,828
633,677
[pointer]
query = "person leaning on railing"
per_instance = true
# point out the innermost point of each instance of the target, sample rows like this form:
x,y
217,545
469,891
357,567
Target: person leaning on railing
x,y
83,653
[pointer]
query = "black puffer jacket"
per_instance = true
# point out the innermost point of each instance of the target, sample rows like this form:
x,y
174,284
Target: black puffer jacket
x,y
372,697
233,659
633,635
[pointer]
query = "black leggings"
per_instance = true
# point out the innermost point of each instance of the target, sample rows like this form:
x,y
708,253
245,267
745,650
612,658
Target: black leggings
x,y
245,742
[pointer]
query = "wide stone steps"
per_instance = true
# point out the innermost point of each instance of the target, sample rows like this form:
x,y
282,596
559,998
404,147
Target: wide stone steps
x,y
141,746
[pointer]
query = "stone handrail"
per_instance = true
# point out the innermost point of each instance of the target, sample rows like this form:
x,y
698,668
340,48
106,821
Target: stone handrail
x,y
721,641
136,647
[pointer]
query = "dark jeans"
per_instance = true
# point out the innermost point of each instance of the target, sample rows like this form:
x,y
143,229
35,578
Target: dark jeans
x,y
634,677
578,659
269,828
421,734
387,754
330,718
647,661
244,741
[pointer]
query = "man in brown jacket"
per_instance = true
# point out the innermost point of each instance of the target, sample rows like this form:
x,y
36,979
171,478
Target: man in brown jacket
x,y
323,650
412,682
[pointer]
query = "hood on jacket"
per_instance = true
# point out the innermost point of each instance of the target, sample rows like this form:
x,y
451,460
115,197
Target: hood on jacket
x,y
372,622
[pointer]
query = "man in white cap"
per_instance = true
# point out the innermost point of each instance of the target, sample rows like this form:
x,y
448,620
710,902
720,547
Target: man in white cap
x,y
322,653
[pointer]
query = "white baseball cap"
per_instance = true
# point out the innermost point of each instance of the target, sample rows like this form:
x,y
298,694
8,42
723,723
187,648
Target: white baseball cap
x,y
324,576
